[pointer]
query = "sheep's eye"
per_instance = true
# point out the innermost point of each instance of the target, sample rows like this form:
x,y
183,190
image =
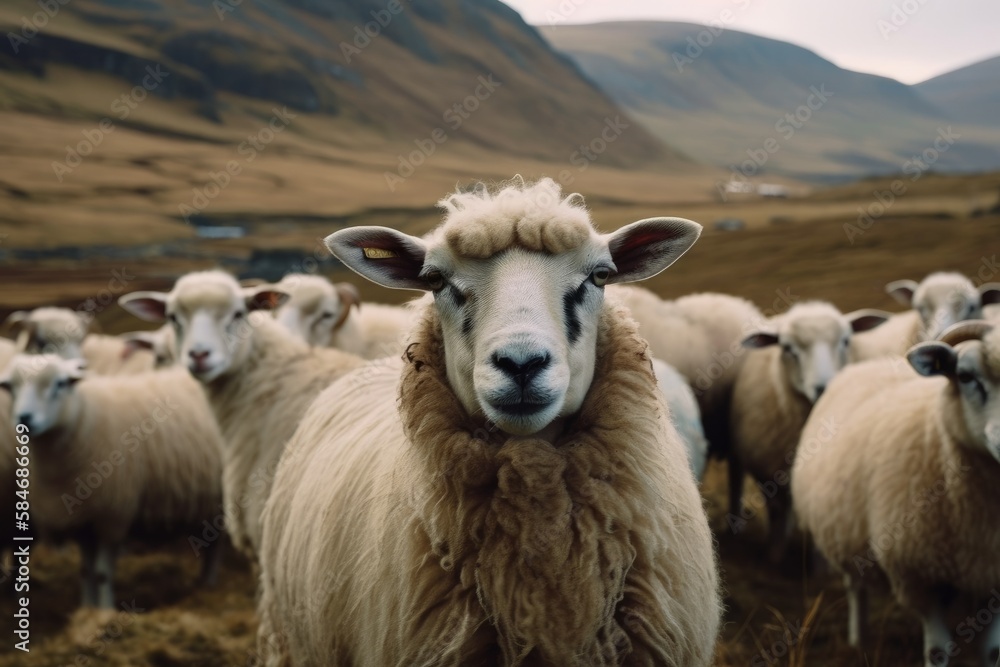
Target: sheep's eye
x,y
326,315
787,348
238,315
5,386
434,279
966,378
172,318
600,276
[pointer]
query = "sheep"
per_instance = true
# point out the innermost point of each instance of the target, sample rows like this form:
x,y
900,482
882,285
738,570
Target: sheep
x,y
8,443
937,302
789,365
63,332
700,335
320,313
259,380
684,412
115,457
527,499
896,475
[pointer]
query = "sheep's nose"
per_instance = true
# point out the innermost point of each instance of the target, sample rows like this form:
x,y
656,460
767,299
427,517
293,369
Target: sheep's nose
x,y
819,389
198,355
24,419
521,370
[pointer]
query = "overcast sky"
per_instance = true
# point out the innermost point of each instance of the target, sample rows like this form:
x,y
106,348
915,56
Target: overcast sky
x,y
917,40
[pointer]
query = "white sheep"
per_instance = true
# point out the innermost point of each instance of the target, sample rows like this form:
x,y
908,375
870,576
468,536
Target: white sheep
x,y
321,314
700,335
115,457
937,302
897,475
517,494
789,365
8,482
685,414
63,332
259,380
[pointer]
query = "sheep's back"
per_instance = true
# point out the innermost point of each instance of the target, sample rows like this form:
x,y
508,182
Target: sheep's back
x,y
767,415
890,339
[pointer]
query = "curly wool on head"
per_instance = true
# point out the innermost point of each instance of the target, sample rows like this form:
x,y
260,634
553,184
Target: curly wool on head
x,y
534,216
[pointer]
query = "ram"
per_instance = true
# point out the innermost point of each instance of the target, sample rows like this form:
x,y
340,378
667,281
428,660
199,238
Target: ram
x,y
527,499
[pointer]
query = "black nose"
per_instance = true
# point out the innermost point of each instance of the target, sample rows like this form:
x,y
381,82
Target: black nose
x,y
24,419
198,355
522,371
820,388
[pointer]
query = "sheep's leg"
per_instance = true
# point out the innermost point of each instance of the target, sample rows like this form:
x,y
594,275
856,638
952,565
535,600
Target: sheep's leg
x,y
857,611
936,637
210,563
735,485
88,578
104,574
780,526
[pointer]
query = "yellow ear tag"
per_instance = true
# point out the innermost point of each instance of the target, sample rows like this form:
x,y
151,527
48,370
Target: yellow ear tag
x,y
379,253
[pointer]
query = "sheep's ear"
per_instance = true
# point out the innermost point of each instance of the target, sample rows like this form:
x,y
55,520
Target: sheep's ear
x,y
264,297
759,339
17,320
933,358
989,293
348,295
382,255
866,319
149,306
134,342
645,248
76,370
902,291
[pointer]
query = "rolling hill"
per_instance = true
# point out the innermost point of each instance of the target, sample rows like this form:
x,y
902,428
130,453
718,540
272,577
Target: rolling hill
x,y
971,93
118,114
727,97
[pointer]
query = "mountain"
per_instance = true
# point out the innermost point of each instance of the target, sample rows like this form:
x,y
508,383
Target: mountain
x,y
970,93
163,112
762,106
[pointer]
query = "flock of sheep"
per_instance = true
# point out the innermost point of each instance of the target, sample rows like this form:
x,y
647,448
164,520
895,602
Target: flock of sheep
x,y
505,470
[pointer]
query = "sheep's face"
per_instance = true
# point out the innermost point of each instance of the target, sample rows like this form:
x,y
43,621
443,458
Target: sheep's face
x,y
51,331
944,299
814,339
520,330
39,385
519,319
315,307
969,356
210,316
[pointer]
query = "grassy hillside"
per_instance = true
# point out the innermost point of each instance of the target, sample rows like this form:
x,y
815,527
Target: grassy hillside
x,y
971,93
728,97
